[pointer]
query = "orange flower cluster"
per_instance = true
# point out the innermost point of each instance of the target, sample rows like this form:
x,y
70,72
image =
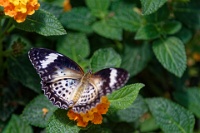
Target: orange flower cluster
x,y
67,6
94,115
19,9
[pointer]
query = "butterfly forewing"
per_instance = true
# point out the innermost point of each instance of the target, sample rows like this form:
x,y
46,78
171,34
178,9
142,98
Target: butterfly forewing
x,y
49,63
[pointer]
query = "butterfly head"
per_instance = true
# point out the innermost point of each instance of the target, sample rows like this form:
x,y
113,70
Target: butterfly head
x,y
88,74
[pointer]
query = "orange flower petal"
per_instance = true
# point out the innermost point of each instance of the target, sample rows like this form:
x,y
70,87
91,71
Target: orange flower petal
x,y
67,6
4,3
102,108
93,110
30,10
87,116
97,118
33,2
71,114
10,10
20,17
81,123
104,99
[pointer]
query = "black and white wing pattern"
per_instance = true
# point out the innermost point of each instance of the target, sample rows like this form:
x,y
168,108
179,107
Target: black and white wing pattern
x,y
66,85
60,75
102,83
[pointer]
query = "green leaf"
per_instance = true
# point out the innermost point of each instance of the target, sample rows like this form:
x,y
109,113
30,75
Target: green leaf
x,y
134,111
74,46
60,123
128,19
51,8
97,129
189,13
158,17
123,128
105,58
147,32
18,44
135,58
78,19
33,112
98,7
185,35
171,117
150,6
16,125
171,54
107,29
148,125
171,27
190,99
124,97
7,100
42,23
20,69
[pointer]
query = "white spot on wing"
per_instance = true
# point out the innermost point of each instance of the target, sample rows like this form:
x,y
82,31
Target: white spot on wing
x,y
48,60
113,75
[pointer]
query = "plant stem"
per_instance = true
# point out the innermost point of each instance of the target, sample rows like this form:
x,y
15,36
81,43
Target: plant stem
x,y
1,58
8,28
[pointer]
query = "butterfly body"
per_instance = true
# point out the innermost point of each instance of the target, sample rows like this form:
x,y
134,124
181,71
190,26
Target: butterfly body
x,y
67,86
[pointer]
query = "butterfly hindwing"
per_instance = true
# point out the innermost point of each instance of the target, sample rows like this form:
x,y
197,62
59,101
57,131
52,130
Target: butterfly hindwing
x,y
60,92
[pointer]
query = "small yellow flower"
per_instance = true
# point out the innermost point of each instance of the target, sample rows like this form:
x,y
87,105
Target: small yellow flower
x,y
94,114
45,111
19,9
66,5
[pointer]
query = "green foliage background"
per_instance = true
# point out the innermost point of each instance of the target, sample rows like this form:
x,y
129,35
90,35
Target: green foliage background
x,y
156,41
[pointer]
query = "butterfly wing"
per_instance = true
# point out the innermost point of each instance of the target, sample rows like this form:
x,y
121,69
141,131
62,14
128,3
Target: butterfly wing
x,y
110,79
102,83
49,63
60,75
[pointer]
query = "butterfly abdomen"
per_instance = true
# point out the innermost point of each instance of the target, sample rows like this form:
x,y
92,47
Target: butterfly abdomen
x,y
83,85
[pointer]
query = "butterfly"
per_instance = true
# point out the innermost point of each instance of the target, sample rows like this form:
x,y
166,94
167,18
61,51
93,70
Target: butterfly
x,y
67,86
